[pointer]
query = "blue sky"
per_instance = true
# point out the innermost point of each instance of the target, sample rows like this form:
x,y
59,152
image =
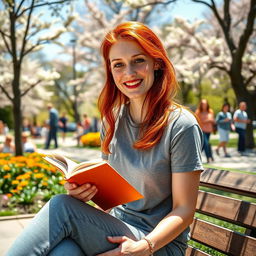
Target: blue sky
x,y
182,8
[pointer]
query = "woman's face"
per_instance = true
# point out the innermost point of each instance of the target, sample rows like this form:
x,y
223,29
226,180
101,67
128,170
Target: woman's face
x,y
132,69
204,105
225,108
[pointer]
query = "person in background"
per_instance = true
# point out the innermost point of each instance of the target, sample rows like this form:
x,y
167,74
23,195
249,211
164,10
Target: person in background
x,y
223,120
241,120
28,146
53,126
79,133
86,123
149,139
63,125
206,120
1,127
8,145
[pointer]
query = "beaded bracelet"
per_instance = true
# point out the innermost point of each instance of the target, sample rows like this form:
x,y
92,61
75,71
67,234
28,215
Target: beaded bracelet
x,y
150,245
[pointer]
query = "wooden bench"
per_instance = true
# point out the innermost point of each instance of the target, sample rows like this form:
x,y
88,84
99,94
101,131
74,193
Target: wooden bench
x,y
225,208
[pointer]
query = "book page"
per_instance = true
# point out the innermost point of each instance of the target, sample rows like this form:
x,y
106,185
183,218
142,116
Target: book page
x,y
68,162
57,163
87,166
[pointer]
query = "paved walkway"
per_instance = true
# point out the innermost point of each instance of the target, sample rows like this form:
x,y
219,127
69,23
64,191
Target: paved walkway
x,y
11,226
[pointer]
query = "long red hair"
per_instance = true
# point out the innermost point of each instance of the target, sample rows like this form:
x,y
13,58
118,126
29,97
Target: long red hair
x,y
159,96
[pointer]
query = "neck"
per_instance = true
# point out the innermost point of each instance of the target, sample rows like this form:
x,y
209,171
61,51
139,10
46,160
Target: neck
x,y
137,111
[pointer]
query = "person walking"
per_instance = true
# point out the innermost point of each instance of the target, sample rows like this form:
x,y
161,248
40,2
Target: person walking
x,y
63,126
53,126
206,121
223,120
241,120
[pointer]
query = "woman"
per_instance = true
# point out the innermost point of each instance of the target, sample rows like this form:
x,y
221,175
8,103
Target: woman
x,y
144,137
223,120
206,119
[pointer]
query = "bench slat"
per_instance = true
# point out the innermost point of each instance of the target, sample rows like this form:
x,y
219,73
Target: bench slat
x,y
195,252
235,182
229,209
222,239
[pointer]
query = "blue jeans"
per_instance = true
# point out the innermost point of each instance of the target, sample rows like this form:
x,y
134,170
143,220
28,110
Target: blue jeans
x,y
241,139
207,146
66,226
52,135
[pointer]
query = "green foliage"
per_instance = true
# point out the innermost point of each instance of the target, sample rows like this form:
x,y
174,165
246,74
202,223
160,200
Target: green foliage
x,y
6,116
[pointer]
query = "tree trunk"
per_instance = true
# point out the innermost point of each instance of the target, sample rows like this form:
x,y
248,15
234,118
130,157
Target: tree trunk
x,y
17,111
76,112
242,94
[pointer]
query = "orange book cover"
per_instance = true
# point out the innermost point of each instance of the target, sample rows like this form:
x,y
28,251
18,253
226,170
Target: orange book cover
x,y
113,189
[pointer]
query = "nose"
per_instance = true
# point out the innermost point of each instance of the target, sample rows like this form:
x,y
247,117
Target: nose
x,y
130,70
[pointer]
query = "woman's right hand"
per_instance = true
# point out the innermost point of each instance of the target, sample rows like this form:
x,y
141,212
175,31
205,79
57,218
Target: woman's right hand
x,y
84,192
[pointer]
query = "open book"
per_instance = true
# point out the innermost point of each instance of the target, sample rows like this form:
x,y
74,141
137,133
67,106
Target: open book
x,y
113,189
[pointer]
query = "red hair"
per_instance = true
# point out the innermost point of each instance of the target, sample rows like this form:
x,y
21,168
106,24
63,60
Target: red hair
x,y
159,96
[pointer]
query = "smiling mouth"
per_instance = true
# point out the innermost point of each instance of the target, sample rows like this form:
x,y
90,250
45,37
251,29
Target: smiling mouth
x,y
133,84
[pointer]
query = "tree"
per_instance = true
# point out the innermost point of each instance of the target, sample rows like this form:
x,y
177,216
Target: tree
x,y
236,26
20,31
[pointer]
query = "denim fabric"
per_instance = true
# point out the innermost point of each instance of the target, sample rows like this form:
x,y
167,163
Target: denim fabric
x,y
52,135
241,139
66,226
207,146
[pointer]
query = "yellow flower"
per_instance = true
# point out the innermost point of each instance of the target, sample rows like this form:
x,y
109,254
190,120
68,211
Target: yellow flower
x,y
23,183
62,182
39,175
6,168
15,182
44,183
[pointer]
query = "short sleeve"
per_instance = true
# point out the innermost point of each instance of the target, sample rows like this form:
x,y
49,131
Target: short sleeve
x,y
186,150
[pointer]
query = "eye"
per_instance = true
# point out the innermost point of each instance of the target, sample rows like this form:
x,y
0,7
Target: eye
x,y
118,65
139,60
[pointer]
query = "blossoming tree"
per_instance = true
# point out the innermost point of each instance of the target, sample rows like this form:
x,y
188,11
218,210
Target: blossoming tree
x,y
21,34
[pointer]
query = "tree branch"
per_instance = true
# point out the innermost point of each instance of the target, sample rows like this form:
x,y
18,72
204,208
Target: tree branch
x,y
247,31
215,65
250,78
42,4
31,87
222,21
24,42
5,41
6,93
19,7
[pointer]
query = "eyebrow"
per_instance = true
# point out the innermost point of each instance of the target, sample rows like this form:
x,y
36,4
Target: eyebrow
x,y
132,56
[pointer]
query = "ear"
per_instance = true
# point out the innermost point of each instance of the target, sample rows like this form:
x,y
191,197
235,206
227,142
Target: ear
x,y
156,66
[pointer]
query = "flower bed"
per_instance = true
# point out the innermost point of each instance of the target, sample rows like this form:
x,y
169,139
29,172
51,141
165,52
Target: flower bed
x,y
91,139
27,182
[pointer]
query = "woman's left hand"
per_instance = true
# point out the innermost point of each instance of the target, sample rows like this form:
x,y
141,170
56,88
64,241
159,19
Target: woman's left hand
x,y
127,247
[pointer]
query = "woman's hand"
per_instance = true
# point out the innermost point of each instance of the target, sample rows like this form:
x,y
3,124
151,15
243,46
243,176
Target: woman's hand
x,y
84,192
127,247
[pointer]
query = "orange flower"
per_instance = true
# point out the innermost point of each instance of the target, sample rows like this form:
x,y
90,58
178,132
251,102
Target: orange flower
x,y
9,195
7,176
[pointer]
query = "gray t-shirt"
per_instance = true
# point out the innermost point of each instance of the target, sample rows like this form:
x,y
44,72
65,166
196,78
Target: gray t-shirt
x,y
150,171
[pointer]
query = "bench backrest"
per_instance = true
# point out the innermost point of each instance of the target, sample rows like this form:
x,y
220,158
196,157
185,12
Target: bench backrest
x,y
225,208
